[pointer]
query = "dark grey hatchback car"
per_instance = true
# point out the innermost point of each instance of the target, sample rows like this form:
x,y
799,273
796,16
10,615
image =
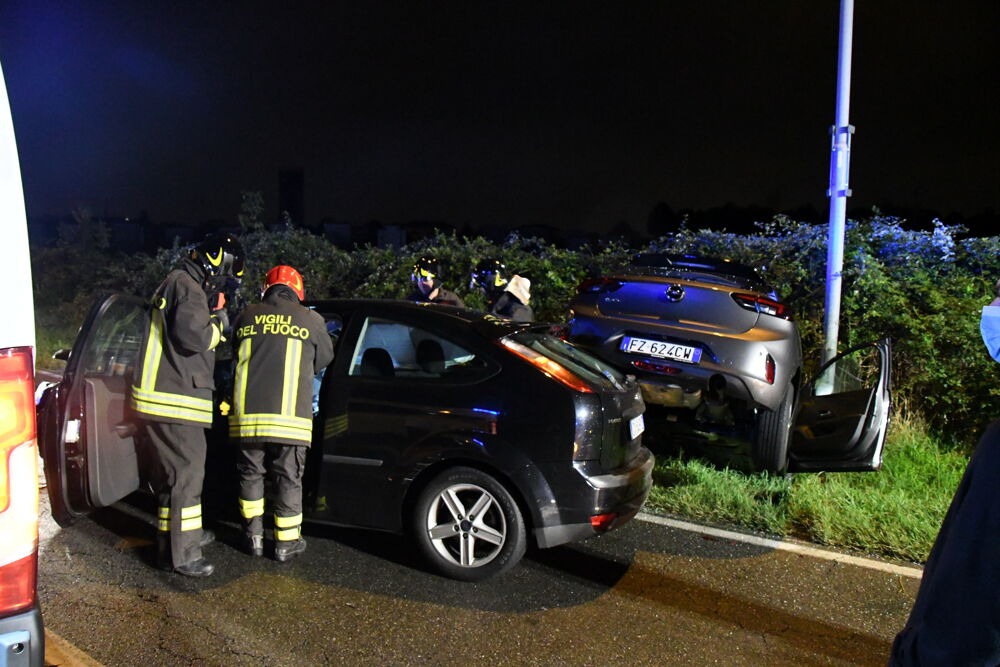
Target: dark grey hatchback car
x,y
469,433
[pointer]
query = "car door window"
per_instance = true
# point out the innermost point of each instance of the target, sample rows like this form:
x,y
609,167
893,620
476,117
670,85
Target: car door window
x,y
115,343
394,349
852,372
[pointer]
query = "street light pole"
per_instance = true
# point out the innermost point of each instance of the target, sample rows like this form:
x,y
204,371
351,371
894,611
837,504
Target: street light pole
x,y
840,160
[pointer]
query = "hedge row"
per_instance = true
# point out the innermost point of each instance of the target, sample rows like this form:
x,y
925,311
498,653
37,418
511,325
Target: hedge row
x,y
925,289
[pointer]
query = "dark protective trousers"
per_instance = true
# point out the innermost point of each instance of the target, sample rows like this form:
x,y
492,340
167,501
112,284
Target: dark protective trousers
x,y
177,476
288,462
956,617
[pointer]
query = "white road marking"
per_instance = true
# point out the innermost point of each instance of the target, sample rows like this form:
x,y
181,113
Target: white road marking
x,y
791,546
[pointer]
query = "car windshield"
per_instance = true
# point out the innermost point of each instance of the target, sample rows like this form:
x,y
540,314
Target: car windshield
x,y
583,364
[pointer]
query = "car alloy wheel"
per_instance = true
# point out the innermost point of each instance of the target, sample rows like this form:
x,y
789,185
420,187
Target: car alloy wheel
x,y
468,525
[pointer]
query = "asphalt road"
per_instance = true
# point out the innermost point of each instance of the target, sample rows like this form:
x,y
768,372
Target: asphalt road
x,y
646,594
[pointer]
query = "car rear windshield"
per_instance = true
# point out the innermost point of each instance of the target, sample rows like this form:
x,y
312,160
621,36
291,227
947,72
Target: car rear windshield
x,y
583,364
703,268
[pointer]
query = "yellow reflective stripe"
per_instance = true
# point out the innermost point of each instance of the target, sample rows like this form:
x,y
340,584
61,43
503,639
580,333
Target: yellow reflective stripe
x,y
290,388
176,400
154,348
159,410
190,512
267,418
287,521
165,525
287,535
164,513
251,508
191,524
269,432
240,386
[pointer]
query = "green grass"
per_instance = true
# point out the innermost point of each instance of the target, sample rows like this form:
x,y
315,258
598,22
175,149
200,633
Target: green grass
x,y
895,512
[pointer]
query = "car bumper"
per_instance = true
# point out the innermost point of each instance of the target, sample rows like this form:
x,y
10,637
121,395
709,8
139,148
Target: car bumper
x,y
579,494
22,640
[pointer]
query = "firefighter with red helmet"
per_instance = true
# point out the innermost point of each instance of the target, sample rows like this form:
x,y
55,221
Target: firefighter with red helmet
x,y
172,393
279,346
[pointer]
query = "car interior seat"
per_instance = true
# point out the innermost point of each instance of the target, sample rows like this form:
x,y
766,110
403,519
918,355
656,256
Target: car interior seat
x,y
430,357
376,362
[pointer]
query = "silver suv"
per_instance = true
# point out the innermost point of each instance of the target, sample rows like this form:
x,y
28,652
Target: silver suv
x,y
713,345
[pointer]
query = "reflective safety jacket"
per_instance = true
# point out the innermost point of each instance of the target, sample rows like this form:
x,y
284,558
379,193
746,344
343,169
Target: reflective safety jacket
x,y
279,347
175,377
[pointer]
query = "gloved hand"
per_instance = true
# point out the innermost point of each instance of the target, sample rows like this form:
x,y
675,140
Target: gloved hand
x,y
223,317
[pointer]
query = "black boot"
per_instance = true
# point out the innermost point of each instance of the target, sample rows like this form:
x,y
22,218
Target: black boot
x,y
163,558
196,568
207,537
254,544
288,549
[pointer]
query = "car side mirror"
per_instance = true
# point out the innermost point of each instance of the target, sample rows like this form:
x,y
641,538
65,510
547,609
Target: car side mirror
x,y
61,354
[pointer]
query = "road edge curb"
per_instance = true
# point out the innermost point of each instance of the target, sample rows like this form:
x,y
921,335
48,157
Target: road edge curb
x,y
793,546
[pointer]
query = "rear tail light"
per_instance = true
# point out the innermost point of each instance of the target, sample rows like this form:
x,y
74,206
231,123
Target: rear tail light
x,y
598,285
761,305
550,367
17,584
18,481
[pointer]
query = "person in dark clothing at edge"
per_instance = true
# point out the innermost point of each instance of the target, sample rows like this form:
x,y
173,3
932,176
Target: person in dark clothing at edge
x,y
955,619
426,278
506,299
280,345
172,394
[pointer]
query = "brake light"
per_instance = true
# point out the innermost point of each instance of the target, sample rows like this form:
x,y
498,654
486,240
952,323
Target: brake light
x,y
595,285
550,367
761,305
18,481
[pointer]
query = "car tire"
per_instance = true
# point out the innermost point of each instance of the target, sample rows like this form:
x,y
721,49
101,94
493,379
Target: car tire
x,y
467,525
774,430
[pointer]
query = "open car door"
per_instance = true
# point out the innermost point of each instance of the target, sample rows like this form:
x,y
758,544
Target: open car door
x,y
844,413
85,430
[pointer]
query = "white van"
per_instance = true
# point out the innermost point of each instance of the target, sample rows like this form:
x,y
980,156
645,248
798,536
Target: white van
x,y
22,641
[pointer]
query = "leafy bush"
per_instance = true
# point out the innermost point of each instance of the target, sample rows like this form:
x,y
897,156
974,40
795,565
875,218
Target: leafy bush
x,y
925,289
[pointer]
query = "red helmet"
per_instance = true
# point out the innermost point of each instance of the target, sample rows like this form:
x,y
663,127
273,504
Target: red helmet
x,y
285,275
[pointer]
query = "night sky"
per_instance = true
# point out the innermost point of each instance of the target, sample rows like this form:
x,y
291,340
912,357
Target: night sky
x,y
573,114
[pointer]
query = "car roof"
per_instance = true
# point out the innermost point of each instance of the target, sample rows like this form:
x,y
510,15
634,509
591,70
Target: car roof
x,y
487,325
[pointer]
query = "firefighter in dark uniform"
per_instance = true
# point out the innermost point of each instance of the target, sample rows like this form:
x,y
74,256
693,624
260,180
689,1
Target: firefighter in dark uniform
x,y
172,394
507,299
426,277
279,346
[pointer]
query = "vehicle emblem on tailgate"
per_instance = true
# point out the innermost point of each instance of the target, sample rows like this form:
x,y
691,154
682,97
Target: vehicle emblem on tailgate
x,y
675,293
